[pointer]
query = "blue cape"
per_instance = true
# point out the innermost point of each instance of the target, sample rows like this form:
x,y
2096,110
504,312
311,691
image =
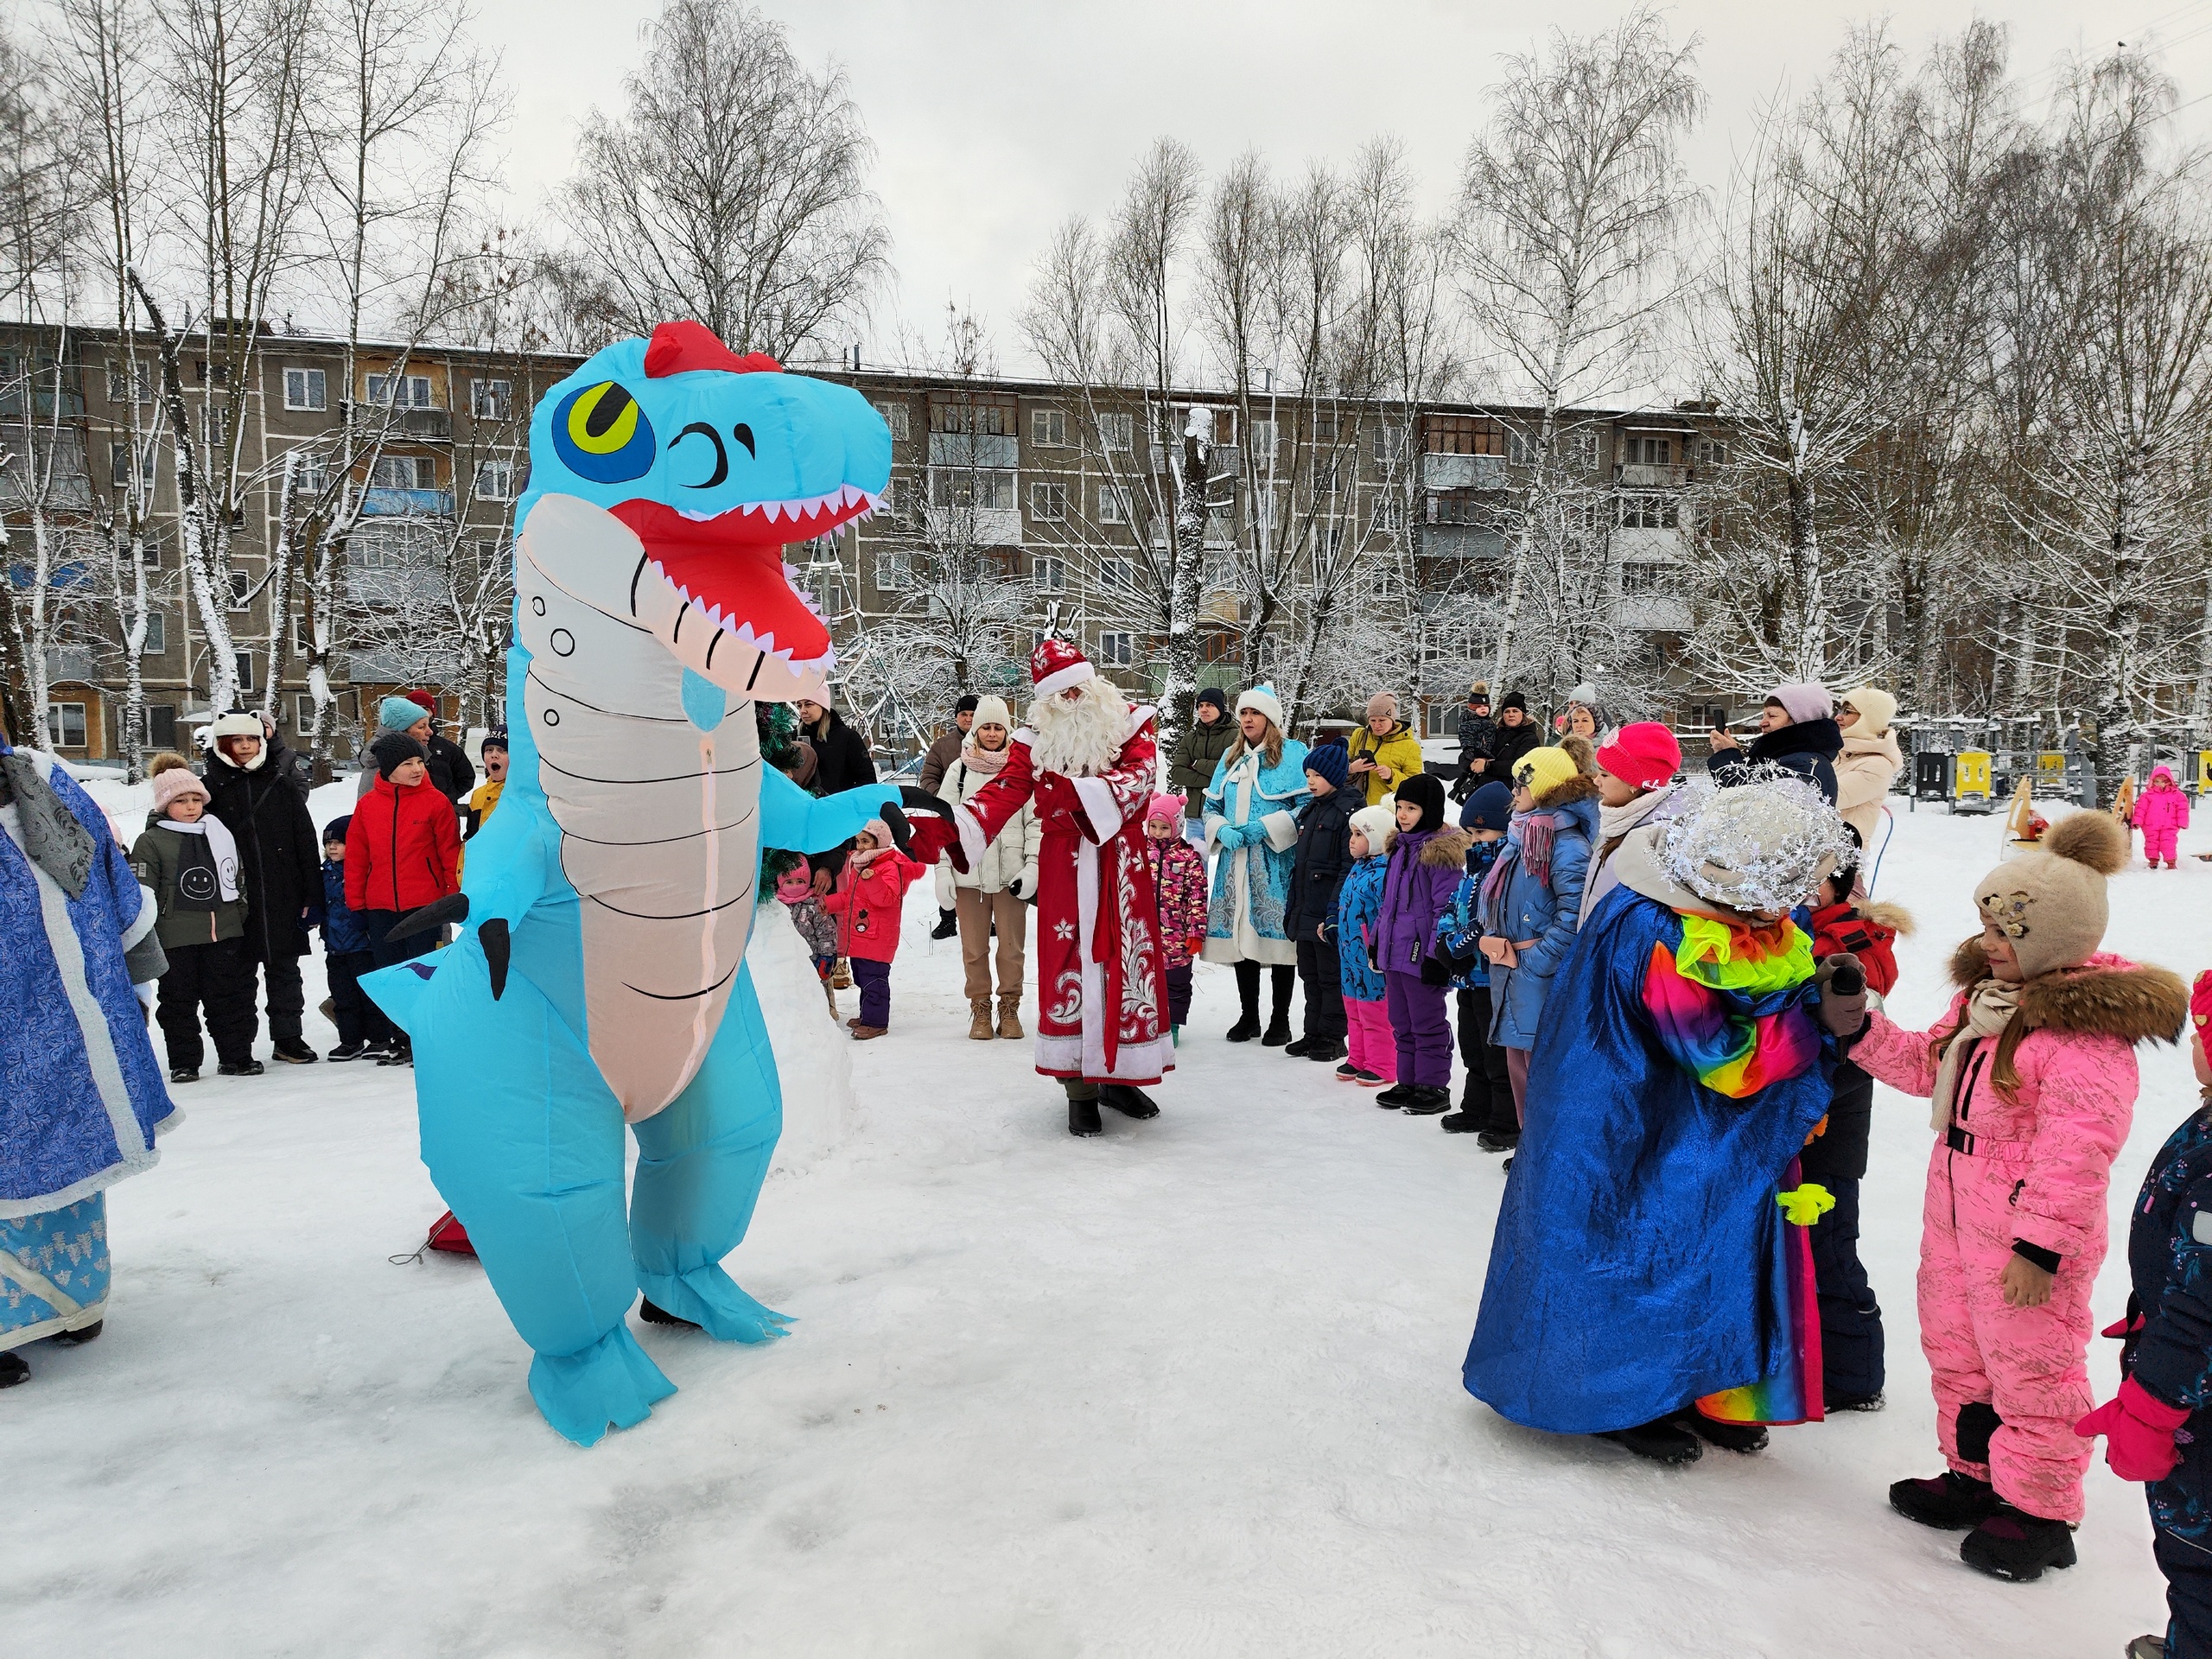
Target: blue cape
x,y
1639,1260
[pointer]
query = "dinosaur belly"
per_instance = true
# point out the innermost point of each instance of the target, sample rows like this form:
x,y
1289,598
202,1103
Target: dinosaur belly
x,y
659,836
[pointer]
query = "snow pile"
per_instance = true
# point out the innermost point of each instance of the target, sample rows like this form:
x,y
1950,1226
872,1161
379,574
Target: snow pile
x,y
1189,1388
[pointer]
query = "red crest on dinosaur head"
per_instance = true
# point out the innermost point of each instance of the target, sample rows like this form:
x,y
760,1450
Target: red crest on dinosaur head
x,y
681,348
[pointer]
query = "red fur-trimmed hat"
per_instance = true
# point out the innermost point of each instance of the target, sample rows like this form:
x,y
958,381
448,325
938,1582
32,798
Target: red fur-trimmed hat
x,y
1055,665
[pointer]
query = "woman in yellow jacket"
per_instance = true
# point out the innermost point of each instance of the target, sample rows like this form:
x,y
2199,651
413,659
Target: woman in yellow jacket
x,y
1384,751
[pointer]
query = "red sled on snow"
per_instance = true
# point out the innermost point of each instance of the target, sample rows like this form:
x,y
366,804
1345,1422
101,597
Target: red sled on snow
x,y
446,1234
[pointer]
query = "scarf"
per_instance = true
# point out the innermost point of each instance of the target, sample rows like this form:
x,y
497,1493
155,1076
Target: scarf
x,y
53,839
1531,852
1989,1009
988,762
207,872
1753,959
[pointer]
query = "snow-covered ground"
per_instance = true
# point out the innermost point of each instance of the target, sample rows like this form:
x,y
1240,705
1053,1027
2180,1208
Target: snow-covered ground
x,y
1190,1387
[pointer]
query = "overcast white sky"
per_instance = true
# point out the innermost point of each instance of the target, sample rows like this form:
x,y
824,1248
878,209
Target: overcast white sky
x,y
993,121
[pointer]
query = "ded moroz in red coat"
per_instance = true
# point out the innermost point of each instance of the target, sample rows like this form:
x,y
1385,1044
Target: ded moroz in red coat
x,y
1099,996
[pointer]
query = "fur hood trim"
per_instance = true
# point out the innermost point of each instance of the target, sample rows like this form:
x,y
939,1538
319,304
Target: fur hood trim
x,y
1580,787
2107,995
1446,849
1896,918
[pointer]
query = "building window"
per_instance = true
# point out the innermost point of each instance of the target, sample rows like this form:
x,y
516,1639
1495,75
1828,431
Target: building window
x,y
303,712
242,662
1390,444
400,390
894,417
1648,512
1049,428
1048,503
1117,575
1116,649
203,371
157,634
311,471
160,725
241,590
1049,575
1388,515
1263,444
404,472
65,724
490,400
118,466
495,481
1463,435
306,388
1642,581
1583,445
1117,432
986,489
1113,505
130,381
1712,452
893,569
1649,452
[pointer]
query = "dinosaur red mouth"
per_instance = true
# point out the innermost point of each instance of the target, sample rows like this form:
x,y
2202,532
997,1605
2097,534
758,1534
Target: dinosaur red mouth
x,y
731,565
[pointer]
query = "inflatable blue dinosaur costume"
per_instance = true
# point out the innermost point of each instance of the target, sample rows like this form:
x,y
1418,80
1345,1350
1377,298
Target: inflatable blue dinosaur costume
x,y
599,977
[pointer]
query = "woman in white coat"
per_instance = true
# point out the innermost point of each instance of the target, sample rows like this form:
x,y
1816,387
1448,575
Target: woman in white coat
x,y
1870,761
996,884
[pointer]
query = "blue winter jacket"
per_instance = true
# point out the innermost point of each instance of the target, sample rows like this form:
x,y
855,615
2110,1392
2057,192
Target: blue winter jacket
x,y
1459,929
1359,903
1526,908
342,934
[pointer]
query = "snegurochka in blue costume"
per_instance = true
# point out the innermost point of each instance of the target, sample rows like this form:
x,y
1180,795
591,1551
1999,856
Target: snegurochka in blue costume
x,y
84,1097
1651,1280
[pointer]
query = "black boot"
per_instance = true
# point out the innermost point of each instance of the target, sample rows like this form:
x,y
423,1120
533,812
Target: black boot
x,y
1128,1101
292,1052
948,924
85,1334
1277,1033
1729,1437
13,1370
1499,1140
1661,1442
1298,1048
1247,996
653,1315
1427,1101
1325,1050
1950,1500
1082,1117
1396,1095
2012,1544
239,1068
1462,1121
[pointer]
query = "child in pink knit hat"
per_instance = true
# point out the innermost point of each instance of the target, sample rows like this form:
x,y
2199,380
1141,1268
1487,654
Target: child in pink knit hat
x,y
1178,885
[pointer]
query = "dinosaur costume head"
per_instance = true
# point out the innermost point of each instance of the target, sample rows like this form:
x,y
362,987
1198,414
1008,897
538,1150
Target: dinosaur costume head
x,y
677,472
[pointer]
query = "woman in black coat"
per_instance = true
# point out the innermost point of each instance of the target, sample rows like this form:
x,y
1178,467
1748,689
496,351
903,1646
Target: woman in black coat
x,y
842,757
251,790
1513,736
1798,731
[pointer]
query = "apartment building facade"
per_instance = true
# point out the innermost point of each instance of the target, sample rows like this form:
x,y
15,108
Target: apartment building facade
x,y
1059,497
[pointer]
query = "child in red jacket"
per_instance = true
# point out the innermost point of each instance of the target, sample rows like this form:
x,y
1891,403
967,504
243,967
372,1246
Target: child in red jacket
x,y
867,901
1851,1319
1179,886
403,851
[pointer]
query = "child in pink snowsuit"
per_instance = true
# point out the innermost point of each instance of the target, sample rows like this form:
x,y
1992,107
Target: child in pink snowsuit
x,y
2161,813
1178,887
2032,1075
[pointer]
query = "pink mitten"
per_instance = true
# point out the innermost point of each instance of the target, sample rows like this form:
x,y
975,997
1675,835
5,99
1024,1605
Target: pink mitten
x,y
2138,1431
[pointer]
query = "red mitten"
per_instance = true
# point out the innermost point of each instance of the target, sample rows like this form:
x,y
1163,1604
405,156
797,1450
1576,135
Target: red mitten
x,y
2120,1328
1198,944
2138,1430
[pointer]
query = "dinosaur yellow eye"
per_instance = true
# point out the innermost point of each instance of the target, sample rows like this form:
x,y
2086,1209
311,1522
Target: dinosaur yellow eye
x,y
600,434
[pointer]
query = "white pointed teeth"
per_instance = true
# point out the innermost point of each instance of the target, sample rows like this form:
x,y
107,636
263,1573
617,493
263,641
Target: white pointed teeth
x,y
839,501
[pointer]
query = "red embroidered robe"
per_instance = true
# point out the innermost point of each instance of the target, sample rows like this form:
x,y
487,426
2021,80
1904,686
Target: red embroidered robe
x,y
1100,1013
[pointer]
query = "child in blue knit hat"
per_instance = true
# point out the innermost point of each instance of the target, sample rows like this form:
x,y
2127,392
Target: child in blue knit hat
x,y
1486,1101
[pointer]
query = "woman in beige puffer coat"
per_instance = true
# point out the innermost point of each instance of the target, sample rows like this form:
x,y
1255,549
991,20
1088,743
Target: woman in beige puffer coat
x,y
995,887
1870,761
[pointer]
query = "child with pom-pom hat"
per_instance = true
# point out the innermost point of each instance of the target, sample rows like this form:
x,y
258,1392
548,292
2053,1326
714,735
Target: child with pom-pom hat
x,y
2032,1077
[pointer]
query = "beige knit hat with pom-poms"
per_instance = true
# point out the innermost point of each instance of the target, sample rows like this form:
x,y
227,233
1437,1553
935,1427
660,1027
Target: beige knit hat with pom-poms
x,y
2050,902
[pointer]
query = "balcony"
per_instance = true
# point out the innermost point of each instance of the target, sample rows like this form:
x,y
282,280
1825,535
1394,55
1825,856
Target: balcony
x,y
417,422
1462,471
70,663
1462,542
974,526
982,450
407,504
1640,475
1652,613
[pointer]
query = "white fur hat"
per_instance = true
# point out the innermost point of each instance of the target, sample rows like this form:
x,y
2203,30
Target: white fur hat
x,y
1262,697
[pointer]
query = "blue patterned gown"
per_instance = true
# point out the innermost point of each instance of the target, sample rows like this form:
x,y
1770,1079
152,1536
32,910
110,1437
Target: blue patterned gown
x,y
1251,883
84,1096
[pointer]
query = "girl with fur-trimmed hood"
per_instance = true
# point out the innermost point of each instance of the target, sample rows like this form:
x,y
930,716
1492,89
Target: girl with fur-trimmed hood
x,y
1423,873
1532,898
2032,1075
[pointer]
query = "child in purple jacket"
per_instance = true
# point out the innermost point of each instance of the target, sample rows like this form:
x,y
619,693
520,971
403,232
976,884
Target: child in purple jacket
x,y
1425,869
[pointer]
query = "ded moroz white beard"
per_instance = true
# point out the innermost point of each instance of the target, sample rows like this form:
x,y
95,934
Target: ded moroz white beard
x,y
1080,738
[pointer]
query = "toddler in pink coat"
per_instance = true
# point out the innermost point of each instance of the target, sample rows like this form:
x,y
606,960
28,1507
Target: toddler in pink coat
x,y
2161,813
2031,1073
